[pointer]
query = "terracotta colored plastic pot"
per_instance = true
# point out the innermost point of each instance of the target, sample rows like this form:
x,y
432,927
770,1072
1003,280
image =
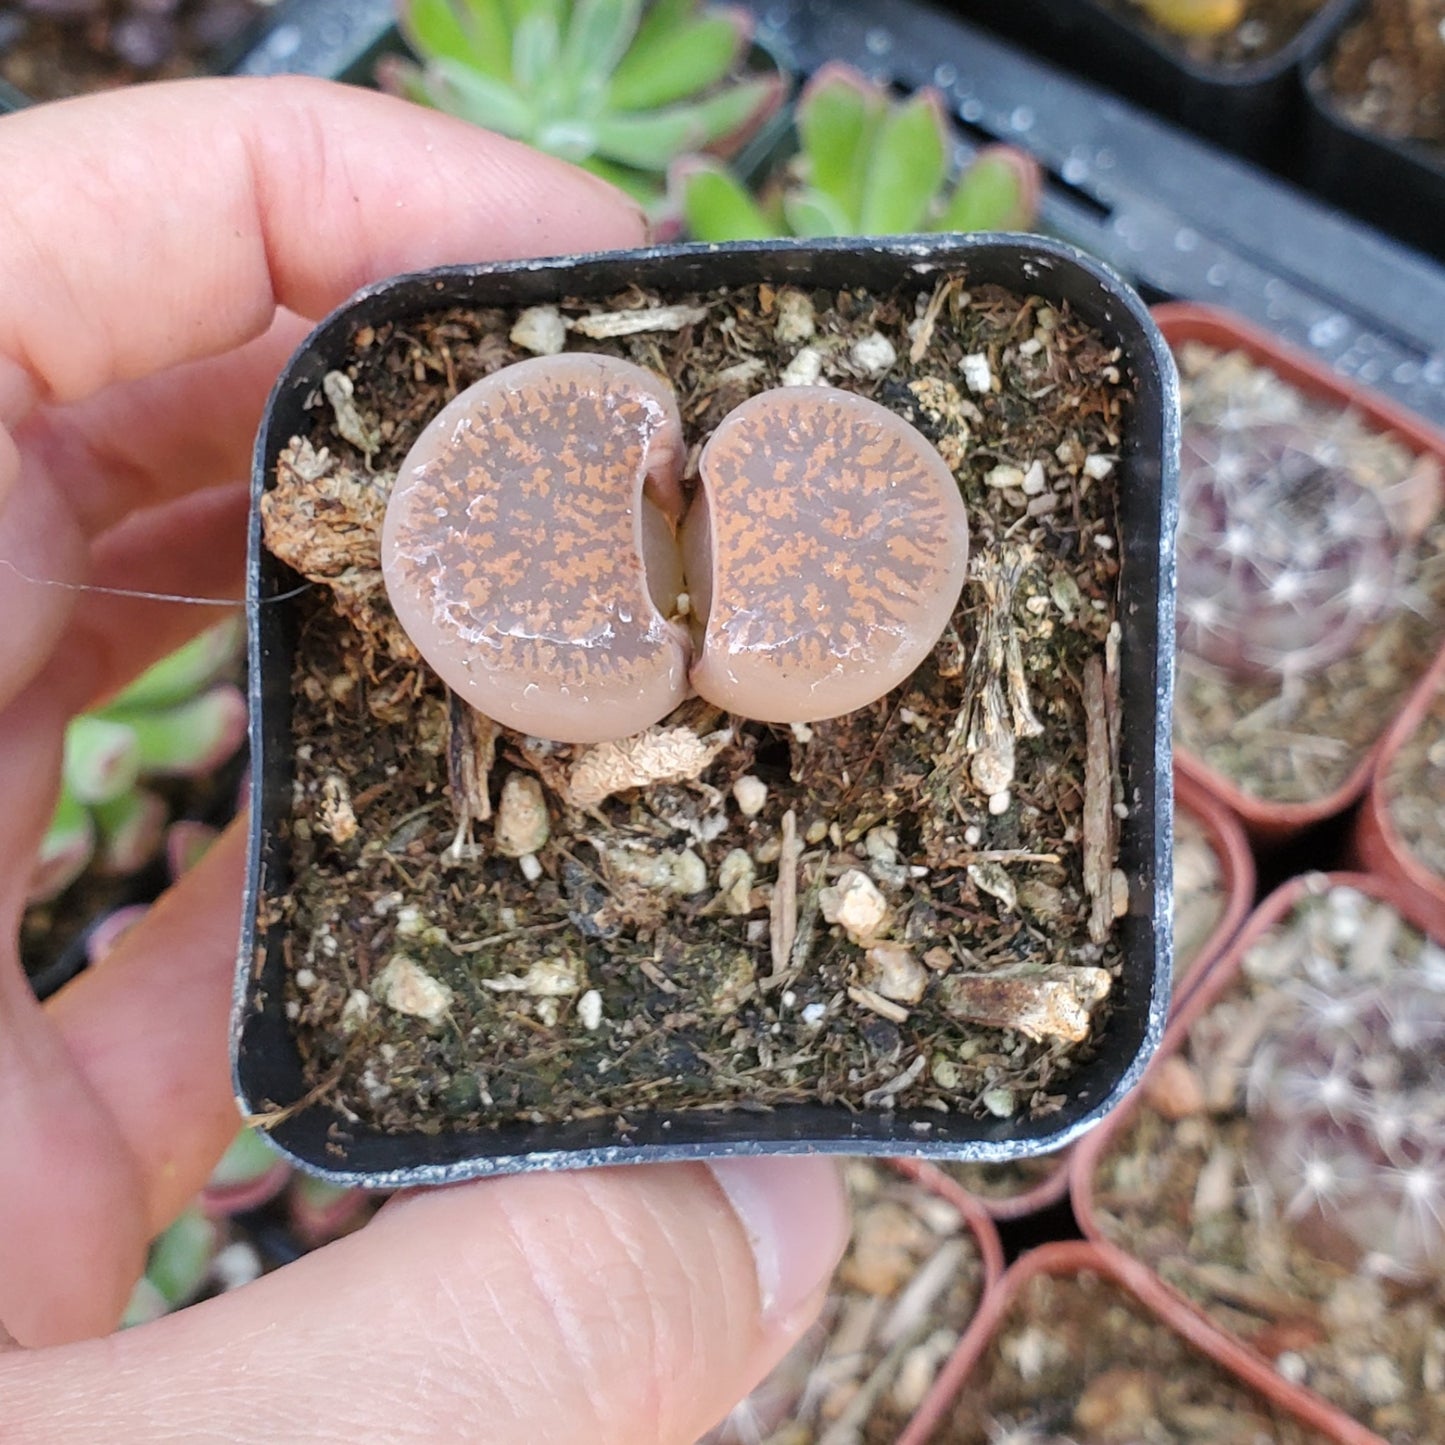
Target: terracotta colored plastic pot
x,y
1377,845
976,1214
1074,1257
1270,822
1215,982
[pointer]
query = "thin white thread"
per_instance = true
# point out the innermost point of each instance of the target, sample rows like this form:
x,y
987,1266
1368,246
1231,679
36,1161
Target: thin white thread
x,y
140,596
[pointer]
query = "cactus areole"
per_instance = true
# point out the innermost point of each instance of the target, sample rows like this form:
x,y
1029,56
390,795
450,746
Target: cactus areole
x,y
540,550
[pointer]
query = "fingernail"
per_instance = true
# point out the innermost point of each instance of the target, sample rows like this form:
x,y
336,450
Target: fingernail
x,y
795,1215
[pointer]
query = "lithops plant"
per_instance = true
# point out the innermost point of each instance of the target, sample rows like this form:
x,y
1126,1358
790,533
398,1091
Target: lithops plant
x,y
618,86
535,550
866,165
1285,558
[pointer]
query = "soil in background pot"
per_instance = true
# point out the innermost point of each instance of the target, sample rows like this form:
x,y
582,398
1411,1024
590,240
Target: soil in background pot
x,y
1286,1169
670,945
50,49
1387,71
1266,26
1414,789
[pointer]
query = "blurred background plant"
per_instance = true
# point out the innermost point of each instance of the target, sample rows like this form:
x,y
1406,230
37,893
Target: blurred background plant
x,y
618,86
865,165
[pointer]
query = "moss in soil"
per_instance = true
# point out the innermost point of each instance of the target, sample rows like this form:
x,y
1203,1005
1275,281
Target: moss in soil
x,y
670,949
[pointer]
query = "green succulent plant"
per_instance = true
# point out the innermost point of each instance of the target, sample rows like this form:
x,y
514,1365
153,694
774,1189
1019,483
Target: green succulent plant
x,y
618,86
176,720
866,166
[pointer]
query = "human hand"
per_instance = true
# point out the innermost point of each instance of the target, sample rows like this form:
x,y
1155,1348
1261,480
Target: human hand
x,y
159,251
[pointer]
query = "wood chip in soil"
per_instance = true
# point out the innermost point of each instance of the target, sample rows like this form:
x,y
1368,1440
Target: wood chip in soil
x,y
644,965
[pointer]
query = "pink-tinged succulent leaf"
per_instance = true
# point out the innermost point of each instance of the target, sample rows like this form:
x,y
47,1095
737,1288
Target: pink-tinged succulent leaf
x,y
102,758
248,1174
100,942
185,671
66,849
650,141
320,1212
192,738
714,204
906,167
686,61
187,842
838,114
131,828
998,192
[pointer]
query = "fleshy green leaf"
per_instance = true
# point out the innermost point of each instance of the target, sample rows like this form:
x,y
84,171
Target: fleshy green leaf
x,y
248,1159
181,1258
682,62
650,141
536,55
811,213
717,207
642,186
477,36
102,758
906,167
479,99
597,38
131,829
185,671
64,851
996,193
838,115
659,20
190,738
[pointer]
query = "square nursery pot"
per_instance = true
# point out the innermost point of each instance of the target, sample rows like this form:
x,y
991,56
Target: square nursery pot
x,y
1292,1163
1251,106
337,1143
1212,897
1394,182
1272,821
1114,1353
920,1266
1410,769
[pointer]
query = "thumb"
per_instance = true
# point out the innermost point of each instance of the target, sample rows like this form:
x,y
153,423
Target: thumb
x,y
617,1305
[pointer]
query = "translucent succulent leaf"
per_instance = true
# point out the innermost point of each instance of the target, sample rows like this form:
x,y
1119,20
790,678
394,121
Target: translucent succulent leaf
x,y
597,38
188,739
679,63
478,98
102,758
998,192
837,117
717,207
536,52
476,34
906,167
811,213
572,140
650,141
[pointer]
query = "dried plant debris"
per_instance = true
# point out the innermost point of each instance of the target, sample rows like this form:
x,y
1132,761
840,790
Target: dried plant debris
x,y
1387,72
1414,789
905,1291
721,913
1199,896
1199,904
1078,1361
1282,716
1287,1170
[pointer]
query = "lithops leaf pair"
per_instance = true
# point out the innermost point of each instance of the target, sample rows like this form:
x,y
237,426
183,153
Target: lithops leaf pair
x,y
618,86
866,166
539,551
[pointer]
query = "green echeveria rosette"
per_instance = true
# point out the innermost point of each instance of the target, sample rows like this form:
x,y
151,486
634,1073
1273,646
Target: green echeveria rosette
x,y
866,165
617,86
175,721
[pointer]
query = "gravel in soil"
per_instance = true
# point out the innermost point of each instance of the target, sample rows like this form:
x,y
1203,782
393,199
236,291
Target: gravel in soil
x,y
720,913
50,49
1387,73
1077,1361
1315,1236
903,1295
1295,738
1414,789
1264,27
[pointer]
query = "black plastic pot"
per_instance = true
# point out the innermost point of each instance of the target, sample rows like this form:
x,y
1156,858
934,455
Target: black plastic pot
x,y
268,1072
1251,107
1398,185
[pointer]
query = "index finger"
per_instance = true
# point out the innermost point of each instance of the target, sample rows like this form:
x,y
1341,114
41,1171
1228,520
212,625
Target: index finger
x,y
149,227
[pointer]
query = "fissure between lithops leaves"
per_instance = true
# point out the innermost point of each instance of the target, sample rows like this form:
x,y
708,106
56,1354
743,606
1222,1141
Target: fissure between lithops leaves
x,y
539,551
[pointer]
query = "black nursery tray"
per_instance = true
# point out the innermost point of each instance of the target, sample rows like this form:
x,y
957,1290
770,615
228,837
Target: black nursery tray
x,y
268,1067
